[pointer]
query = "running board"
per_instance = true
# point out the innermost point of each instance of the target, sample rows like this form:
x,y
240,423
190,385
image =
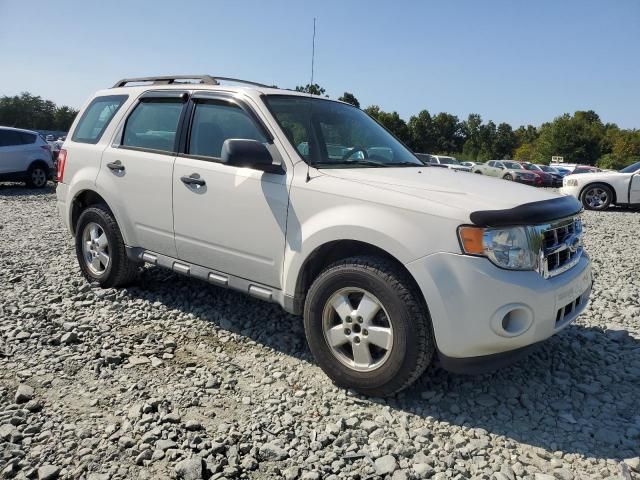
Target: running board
x,y
220,279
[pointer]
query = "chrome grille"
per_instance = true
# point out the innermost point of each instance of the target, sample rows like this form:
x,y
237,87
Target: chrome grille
x,y
561,246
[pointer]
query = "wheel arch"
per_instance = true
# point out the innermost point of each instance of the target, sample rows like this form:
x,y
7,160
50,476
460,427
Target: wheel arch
x,y
38,162
335,250
600,182
81,201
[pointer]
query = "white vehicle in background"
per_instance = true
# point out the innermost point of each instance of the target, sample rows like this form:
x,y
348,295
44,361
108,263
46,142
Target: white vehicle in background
x,y
470,164
25,157
443,161
390,263
599,190
507,170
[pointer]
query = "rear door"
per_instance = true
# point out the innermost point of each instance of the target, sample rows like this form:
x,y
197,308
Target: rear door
x,y
234,221
136,170
12,152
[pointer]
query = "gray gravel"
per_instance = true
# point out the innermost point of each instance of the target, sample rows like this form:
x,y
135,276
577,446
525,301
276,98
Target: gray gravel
x,y
174,378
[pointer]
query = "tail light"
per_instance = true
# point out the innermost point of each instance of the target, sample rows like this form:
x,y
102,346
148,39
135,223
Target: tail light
x,y
62,161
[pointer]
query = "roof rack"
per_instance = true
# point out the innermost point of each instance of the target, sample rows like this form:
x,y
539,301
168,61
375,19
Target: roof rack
x,y
172,79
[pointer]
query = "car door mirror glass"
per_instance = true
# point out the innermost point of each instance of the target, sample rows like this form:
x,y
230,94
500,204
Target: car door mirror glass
x,y
241,152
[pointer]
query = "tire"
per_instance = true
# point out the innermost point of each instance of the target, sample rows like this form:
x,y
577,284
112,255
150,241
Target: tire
x,y
401,323
596,197
114,271
508,177
37,176
478,172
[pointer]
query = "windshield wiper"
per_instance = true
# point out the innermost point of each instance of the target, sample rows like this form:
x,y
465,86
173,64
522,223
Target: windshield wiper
x,y
367,163
405,164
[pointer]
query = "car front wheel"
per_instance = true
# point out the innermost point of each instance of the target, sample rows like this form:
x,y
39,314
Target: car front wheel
x,y
597,197
367,326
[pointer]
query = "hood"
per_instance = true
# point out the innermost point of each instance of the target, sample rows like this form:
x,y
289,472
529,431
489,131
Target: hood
x,y
464,191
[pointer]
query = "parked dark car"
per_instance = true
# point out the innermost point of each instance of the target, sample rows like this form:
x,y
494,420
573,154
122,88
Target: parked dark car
x,y
543,179
556,174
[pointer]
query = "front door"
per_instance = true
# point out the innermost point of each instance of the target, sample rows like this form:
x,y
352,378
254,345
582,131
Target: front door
x,y
233,220
137,171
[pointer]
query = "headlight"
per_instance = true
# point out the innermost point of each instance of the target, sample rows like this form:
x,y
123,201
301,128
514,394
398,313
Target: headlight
x,y
508,248
570,182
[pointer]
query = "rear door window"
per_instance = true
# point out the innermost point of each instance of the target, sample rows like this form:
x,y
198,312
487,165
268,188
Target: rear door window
x,y
27,138
153,124
96,118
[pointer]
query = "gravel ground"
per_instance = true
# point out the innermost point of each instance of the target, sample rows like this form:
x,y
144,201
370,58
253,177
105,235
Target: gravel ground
x,y
175,378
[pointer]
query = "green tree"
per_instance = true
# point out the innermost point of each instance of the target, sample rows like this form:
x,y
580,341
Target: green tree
x,y
577,138
350,98
525,153
448,134
313,89
528,134
505,141
33,112
472,134
391,121
421,133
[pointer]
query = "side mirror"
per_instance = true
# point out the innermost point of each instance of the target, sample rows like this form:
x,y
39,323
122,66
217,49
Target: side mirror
x,y
241,152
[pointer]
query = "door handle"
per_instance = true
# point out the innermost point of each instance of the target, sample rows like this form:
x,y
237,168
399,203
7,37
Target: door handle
x,y
116,166
193,179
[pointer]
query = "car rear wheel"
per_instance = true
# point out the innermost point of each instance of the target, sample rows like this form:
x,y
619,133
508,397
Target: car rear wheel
x,y
101,250
367,327
37,176
597,197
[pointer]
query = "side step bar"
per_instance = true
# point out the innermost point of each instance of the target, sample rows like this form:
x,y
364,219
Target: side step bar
x,y
220,279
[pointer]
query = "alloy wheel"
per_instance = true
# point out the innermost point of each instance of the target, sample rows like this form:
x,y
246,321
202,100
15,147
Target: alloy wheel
x,y
95,248
357,329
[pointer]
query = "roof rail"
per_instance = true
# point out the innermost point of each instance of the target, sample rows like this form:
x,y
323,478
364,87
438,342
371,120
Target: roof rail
x,y
171,79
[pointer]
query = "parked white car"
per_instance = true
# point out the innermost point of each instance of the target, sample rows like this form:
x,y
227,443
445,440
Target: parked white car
x,y
443,161
24,157
597,191
391,263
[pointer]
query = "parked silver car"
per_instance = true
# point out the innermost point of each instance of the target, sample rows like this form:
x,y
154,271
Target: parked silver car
x,y
24,156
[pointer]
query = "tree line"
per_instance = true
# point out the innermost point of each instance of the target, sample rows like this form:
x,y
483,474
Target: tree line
x,y
579,138
35,113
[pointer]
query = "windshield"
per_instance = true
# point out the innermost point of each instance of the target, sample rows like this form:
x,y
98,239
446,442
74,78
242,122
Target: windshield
x,y
329,134
634,167
547,168
531,166
513,165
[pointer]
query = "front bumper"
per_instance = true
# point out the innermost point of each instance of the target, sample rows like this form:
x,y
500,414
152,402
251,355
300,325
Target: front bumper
x,y
478,309
573,191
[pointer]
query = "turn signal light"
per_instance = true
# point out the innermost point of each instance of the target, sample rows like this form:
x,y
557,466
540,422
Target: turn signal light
x,y
472,240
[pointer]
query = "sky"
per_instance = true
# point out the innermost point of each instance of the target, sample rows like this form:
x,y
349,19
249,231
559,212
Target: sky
x,y
521,62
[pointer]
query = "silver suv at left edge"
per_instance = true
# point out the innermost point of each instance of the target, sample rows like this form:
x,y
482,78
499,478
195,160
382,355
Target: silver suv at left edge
x,y
25,157
310,203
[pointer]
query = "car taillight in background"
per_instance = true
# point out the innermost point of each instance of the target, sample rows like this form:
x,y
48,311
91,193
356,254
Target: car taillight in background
x,y
62,160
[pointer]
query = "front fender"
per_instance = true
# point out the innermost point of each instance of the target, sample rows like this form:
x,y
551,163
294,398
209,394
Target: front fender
x,y
404,235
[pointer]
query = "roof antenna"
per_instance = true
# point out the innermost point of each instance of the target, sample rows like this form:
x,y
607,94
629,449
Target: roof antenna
x,y
313,56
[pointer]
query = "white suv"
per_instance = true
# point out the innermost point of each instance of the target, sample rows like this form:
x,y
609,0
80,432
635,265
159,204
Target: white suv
x,y
24,156
391,262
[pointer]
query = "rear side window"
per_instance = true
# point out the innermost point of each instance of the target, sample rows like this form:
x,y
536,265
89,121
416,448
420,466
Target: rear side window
x,y
10,138
96,118
215,122
27,138
153,124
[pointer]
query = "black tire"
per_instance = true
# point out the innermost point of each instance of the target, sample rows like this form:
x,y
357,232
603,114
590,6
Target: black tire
x,y
478,172
413,345
120,271
588,197
37,176
508,177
